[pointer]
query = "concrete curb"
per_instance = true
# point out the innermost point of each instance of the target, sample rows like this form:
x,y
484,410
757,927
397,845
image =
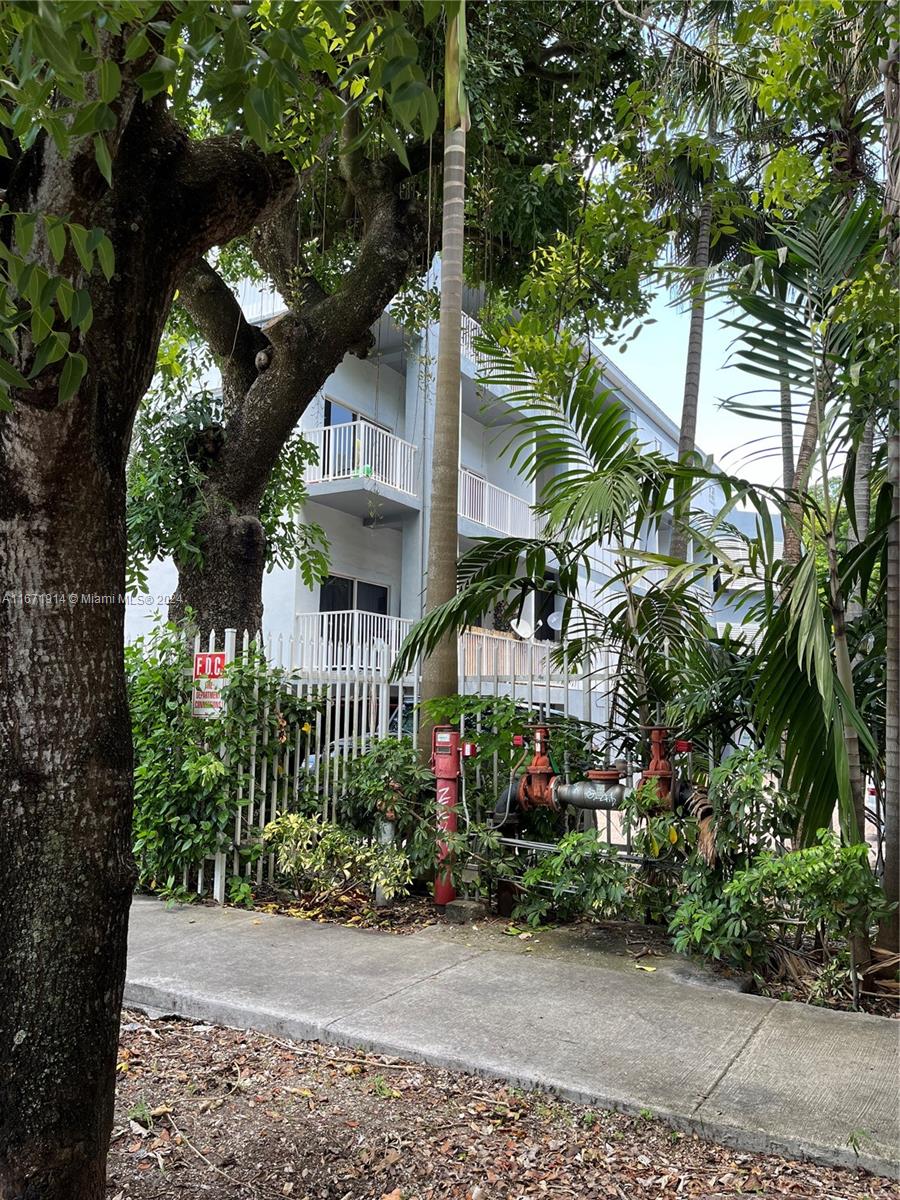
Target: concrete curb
x,y
159,998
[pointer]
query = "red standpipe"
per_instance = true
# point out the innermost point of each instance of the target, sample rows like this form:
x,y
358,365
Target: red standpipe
x,y
446,766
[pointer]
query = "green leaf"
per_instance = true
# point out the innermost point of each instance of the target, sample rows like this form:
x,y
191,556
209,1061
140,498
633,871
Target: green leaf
x,y
79,236
11,377
25,230
106,256
109,80
72,374
103,158
56,238
82,312
50,351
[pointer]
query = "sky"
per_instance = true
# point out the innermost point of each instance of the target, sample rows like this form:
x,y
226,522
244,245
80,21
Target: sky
x,y
655,360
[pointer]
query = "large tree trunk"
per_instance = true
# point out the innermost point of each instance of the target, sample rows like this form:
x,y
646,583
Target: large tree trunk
x,y
66,868
225,590
440,671
687,439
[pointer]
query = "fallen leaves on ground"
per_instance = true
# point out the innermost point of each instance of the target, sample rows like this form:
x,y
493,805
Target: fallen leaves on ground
x,y
406,915
229,1115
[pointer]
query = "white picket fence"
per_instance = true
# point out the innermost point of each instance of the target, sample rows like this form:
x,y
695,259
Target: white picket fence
x,y
346,672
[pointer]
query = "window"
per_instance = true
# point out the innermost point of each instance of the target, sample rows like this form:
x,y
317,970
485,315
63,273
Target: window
x,y
337,414
338,594
371,597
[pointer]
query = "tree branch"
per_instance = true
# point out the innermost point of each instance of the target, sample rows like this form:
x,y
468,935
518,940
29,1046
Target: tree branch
x,y
234,341
235,186
310,341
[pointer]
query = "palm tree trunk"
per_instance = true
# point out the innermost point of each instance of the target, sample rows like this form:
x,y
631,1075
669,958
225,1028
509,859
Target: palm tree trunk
x,y
440,669
787,436
889,932
802,469
688,436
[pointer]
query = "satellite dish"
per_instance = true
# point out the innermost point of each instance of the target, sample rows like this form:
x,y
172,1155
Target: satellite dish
x,y
555,620
521,628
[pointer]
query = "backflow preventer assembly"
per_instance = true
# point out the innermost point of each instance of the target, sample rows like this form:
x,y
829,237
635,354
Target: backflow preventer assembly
x,y
602,790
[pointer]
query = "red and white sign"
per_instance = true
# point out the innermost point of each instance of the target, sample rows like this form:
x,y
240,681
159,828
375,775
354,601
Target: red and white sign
x,y
209,679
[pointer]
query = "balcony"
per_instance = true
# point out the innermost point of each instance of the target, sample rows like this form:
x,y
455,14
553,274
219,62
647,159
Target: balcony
x,y
492,507
348,641
470,331
361,645
357,460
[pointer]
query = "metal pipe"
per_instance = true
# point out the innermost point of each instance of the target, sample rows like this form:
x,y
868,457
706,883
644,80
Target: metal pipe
x,y
589,793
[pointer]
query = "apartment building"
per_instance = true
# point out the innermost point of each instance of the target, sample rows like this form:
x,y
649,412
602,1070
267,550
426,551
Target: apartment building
x,y
373,426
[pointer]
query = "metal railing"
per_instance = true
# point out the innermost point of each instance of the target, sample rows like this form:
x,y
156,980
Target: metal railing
x,y
348,640
470,330
360,450
484,653
489,505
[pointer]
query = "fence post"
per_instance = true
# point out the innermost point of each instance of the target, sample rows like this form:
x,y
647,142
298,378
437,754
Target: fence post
x,y
221,858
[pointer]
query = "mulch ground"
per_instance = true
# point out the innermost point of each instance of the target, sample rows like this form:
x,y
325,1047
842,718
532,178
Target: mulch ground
x,y
227,1115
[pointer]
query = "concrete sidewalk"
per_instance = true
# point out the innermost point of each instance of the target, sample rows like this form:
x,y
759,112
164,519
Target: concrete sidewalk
x,y
754,1073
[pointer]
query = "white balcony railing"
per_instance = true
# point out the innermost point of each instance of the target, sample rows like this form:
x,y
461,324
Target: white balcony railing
x,y
484,653
359,450
494,508
469,331
349,640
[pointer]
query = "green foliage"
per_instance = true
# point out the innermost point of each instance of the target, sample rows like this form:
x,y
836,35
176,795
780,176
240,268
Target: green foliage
x,y
825,889
582,877
71,71
416,306
750,807
178,435
33,296
323,861
186,784
387,782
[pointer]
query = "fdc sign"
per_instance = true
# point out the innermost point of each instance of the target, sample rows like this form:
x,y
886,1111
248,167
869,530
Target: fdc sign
x,y
209,679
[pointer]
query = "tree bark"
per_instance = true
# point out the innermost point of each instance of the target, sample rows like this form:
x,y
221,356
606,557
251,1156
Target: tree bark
x,y
793,540
65,772
66,868
787,435
224,591
264,399
687,439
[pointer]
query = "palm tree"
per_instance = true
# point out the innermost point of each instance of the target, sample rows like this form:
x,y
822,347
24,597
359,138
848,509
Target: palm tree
x,y
440,669
889,933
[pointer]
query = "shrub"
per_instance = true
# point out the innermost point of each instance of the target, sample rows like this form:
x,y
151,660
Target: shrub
x,y
582,877
387,782
186,767
323,861
826,890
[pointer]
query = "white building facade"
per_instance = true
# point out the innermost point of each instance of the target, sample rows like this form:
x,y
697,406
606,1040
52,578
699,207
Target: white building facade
x,y
373,426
